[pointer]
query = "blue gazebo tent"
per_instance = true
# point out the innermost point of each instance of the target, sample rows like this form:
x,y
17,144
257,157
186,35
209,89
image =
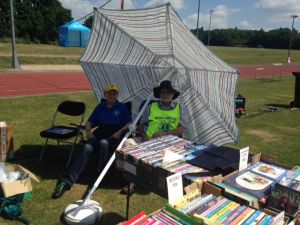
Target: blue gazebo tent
x,y
73,34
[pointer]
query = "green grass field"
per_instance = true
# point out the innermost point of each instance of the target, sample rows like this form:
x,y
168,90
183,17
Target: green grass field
x,y
54,54
275,133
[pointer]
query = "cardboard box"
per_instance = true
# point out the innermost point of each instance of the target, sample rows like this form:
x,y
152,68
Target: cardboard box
x,y
19,186
261,157
274,213
193,190
143,172
6,142
240,198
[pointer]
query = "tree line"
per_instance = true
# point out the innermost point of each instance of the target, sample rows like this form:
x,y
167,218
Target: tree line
x,y
277,38
37,21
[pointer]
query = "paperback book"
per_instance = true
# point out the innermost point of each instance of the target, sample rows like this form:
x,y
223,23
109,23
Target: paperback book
x,y
284,198
269,171
250,183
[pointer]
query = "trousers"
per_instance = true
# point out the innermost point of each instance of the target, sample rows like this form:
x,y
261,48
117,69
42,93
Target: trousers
x,y
104,148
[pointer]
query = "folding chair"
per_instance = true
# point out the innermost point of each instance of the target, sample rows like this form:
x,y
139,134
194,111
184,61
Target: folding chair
x,y
63,132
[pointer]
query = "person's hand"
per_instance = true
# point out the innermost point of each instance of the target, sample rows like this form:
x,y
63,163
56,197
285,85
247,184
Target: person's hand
x,y
145,138
159,134
116,135
89,135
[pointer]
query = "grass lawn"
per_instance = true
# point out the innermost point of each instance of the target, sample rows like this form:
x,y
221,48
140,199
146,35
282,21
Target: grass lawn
x,y
234,55
54,54
275,133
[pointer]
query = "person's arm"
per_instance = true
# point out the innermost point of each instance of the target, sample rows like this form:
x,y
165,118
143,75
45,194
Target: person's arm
x,y
125,119
177,132
88,130
118,134
141,130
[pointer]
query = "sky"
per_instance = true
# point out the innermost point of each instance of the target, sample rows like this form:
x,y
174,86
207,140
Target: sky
x,y
243,14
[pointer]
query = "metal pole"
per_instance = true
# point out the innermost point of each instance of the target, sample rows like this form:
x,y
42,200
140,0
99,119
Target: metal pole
x,y
291,40
211,11
198,19
122,4
14,61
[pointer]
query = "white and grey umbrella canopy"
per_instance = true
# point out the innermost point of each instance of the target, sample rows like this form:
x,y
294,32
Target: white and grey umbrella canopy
x,y
136,49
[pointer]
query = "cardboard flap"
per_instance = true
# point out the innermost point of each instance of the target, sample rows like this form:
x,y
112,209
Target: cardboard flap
x,y
268,158
256,158
33,176
211,189
192,187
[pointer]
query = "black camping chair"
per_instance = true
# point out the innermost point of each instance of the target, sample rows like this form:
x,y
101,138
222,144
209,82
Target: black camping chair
x,y
63,133
240,103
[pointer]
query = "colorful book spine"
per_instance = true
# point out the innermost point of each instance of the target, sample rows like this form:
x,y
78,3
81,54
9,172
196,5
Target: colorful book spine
x,y
158,218
204,219
227,202
205,213
135,218
228,212
252,211
252,217
232,213
222,211
232,216
241,216
257,219
267,220
206,206
179,220
169,217
165,219
197,203
236,191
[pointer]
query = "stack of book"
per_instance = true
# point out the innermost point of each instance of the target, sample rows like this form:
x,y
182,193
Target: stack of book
x,y
285,198
220,210
250,183
269,171
161,217
256,181
292,179
153,151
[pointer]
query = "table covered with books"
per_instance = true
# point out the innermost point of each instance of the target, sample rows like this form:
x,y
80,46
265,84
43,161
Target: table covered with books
x,y
259,192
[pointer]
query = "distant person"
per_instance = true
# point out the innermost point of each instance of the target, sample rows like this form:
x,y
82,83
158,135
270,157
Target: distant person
x,y
111,118
162,117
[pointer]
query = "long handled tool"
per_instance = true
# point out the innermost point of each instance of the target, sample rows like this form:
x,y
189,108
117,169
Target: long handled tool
x,y
87,211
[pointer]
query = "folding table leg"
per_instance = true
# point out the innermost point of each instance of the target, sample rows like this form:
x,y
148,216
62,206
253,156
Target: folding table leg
x,y
127,200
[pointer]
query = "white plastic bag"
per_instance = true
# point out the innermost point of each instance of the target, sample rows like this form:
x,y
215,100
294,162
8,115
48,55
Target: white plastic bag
x,y
3,173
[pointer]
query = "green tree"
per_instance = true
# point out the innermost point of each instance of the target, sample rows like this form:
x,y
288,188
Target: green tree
x,y
4,19
35,20
89,22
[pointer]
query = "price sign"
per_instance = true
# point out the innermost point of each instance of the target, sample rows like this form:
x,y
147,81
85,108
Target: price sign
x,y
175,188
279,219
244,154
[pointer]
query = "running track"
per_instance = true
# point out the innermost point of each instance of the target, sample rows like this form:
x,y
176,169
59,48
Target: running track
x,y
23,83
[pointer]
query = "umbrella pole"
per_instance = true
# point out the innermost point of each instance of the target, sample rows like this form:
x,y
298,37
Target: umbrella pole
x,y
111,160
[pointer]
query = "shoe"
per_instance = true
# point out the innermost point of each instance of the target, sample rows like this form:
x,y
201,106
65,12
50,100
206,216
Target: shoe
x,y
130,191
60,189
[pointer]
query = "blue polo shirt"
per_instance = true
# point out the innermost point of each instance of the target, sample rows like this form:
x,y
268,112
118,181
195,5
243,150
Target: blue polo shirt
x,y
117,115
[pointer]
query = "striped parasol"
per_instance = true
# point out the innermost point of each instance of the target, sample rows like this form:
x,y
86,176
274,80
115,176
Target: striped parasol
x,y
137,49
